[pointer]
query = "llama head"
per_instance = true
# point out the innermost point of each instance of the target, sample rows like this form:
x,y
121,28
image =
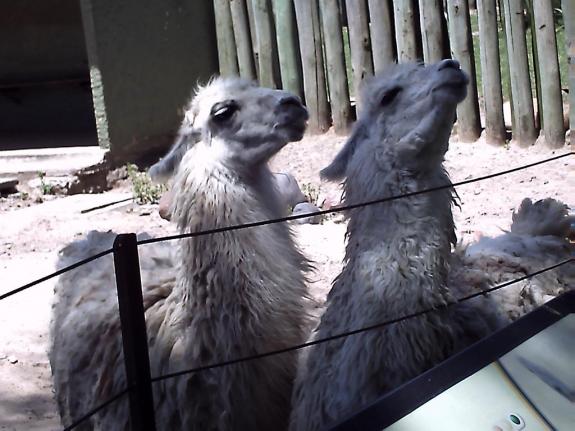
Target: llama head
x,y
408,116
244,123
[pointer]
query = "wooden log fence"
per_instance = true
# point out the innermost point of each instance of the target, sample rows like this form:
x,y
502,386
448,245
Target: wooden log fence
x,y
404,15
243,39
335,64
360,44
523,116
252,32
303,46
288,46
430,12
569,21
225,38
382,37
547,58
264,42
491,72
468,122
307,15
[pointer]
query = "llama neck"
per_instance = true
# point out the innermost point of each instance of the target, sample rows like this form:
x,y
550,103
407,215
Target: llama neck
x,y
403,234
219,269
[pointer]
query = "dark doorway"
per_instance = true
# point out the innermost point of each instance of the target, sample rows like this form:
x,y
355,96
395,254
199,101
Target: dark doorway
x,y
45,95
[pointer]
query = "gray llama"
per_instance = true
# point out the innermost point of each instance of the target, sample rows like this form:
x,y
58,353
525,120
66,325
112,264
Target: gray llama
x,y
220,297
397,253
537,239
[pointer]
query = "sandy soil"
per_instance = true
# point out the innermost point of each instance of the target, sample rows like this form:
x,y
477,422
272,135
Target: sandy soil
x,y
30,237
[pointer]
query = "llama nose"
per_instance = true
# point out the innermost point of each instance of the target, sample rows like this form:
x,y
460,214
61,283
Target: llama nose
x,y
290,100
449,64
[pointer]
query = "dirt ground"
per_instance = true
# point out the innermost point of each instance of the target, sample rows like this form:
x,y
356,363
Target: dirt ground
x,y
31,234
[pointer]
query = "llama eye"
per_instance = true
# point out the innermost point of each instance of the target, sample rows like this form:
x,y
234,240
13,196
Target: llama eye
x,y
389,96
222,112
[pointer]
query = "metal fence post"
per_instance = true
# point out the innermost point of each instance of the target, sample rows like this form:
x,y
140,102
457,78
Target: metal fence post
x,y
134,337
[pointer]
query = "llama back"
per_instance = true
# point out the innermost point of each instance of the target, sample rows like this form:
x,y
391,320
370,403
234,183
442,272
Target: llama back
x,y
78,294
539,231
541,218
537,239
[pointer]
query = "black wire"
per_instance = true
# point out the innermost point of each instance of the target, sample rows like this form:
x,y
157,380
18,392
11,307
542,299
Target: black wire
x,y
348,207
96,410
319,341
109,204
357,331
284,219
55,274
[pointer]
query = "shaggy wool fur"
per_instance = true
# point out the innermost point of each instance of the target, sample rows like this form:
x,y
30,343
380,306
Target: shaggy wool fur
x,y
223,296
397,253
538,239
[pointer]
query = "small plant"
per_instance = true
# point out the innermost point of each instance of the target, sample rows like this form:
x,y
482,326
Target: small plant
x,y
311,192
144,190
45,188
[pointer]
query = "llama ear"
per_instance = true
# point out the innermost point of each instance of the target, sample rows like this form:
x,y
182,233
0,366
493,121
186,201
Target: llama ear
x,y
164,169
337,169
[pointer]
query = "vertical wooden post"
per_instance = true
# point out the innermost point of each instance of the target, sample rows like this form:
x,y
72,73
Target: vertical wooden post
x,y
243,39
252,33
404,17
536,72
382,37
134,337
225,38
335,64
491,71
523,119
288,47
551,101
265,47
569,20
431,29
359,42
468,121
307,15
506,74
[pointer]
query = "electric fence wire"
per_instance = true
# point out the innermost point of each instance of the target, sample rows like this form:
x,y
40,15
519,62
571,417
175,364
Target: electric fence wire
x,y
284,219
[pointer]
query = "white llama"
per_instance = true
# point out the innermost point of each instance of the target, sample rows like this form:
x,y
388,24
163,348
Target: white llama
x,y
223,296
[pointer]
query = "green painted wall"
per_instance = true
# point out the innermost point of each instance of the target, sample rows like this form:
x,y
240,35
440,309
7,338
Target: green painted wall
x,y
145,58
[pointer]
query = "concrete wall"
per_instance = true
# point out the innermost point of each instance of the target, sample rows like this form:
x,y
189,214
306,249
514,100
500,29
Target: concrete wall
x,y
145,58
